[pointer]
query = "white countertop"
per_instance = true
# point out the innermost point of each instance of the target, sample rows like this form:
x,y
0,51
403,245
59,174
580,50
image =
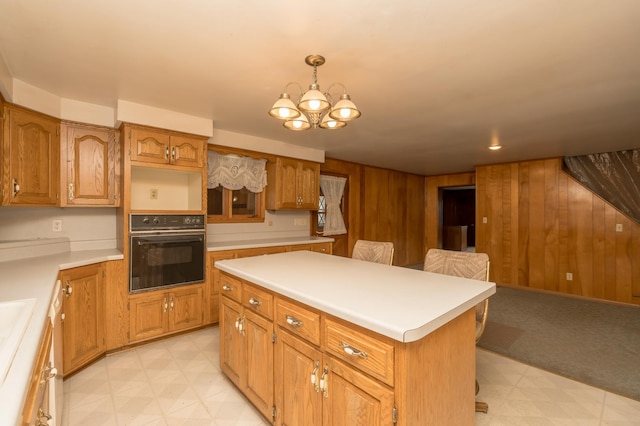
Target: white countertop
x,y
401,303
34,277
267,242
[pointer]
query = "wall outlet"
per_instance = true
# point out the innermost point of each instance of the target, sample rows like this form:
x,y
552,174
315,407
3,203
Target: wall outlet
x,y
56,225
153,193
569,276
618,227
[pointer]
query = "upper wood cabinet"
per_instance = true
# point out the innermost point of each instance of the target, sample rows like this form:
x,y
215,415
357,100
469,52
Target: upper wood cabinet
x,y
90,165
31,158
158,147
293,184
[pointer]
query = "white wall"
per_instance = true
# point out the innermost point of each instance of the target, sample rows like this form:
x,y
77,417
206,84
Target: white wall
x,y
86,228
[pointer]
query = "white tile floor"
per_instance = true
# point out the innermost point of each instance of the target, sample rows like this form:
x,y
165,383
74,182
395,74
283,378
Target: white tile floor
x,y
178,382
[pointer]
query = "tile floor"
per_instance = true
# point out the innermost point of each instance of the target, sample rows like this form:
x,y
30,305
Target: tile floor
x,y
178,382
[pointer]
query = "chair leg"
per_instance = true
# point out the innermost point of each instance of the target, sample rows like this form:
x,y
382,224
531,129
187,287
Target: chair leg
x,y
481,407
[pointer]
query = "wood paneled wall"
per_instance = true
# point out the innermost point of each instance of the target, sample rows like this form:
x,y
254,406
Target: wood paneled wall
x,y
542,224
384,205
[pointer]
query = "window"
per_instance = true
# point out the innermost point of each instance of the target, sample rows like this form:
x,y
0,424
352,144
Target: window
x,y
329,219
322,213
235,188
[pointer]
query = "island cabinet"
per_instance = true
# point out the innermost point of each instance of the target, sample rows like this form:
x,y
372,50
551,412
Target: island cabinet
x,y
294,184
157,313
349,348
31,158
155,146
90,165
83,315
214,283
246,343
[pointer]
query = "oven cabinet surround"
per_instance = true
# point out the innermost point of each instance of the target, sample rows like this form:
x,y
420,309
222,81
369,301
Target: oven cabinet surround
x,y
89,165
162,312
30,157
320,245
293,185
355,342
83,313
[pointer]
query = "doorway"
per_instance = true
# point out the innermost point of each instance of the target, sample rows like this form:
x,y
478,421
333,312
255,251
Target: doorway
x,y
458,217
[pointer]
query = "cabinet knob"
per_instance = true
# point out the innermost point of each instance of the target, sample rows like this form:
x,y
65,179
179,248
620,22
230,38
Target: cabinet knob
x,y
16,187
227,288
350,350
293,321
255,302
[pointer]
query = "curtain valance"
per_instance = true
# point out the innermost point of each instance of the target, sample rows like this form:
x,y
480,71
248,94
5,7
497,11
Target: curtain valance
x,y
235,172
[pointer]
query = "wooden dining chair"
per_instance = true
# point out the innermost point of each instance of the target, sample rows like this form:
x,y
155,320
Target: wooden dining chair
x,y
373,251
465,265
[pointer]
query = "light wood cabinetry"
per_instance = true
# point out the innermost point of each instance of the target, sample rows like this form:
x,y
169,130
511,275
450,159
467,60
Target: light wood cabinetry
x,y
90,165
36,406
165,147
246,343
158,313
328,371
31,158
83,313
294,184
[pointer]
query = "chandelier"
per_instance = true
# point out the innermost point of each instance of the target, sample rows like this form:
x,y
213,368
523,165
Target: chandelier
x,y
314,109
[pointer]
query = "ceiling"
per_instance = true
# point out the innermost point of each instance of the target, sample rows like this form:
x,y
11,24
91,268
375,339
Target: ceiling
x,y
436,80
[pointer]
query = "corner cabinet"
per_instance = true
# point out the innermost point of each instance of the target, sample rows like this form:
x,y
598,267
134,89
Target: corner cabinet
x,y
294,184
31,158
83,315
90,165
153,146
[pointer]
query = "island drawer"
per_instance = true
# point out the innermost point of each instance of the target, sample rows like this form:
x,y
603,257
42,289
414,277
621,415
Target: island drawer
x,y
368,353
298,320
258,300
231,287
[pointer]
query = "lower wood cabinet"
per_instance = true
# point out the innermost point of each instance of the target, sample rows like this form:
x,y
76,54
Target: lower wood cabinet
x,y
36,407
83,315
157,313
246,343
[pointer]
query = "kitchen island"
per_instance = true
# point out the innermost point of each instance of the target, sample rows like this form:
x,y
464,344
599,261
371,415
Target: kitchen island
x,y
318,339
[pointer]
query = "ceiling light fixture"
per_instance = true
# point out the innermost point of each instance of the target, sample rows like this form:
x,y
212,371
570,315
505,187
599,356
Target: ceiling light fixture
x,y
314,109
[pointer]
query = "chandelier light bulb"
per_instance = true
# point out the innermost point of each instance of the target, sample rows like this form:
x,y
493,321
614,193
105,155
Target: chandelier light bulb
x,y
297,124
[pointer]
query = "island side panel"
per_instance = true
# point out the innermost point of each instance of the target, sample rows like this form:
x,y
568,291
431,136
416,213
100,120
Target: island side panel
x,y
436,376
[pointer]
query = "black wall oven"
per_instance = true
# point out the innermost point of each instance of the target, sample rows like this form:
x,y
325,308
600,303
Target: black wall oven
x,y
166,250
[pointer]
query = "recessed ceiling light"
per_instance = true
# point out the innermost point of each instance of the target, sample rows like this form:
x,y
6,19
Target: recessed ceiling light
x,y
495,147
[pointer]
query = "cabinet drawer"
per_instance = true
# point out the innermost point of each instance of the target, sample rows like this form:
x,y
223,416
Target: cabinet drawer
x,y
298,320
369,354
231,287
258,300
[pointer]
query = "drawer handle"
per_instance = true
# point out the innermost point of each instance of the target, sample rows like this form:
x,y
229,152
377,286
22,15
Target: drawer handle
x,y
293,321
227,288
255,302
353,351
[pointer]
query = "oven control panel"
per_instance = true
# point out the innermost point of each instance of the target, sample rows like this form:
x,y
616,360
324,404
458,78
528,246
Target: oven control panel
x,y
168,222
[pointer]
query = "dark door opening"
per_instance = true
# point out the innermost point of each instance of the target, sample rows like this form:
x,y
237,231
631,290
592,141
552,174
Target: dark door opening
x,y
458,218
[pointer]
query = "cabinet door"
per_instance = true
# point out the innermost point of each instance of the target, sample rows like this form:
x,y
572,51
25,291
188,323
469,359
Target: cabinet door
x,y
90,163
308,181
286,183
231,353
258,346
354,399
187,151
84,321
185,308
32,148
148,146
148,315
297,375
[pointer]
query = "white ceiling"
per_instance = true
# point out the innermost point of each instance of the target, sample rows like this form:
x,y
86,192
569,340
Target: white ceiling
x,y
434,79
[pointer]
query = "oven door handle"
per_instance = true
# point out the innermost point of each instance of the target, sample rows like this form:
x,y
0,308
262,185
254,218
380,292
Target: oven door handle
x,y
177,239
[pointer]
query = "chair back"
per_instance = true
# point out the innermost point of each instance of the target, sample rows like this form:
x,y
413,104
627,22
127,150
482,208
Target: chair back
x,y
465,265
373,251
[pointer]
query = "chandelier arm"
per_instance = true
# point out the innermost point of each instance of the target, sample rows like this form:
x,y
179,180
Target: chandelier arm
x,y
295,83
337,83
